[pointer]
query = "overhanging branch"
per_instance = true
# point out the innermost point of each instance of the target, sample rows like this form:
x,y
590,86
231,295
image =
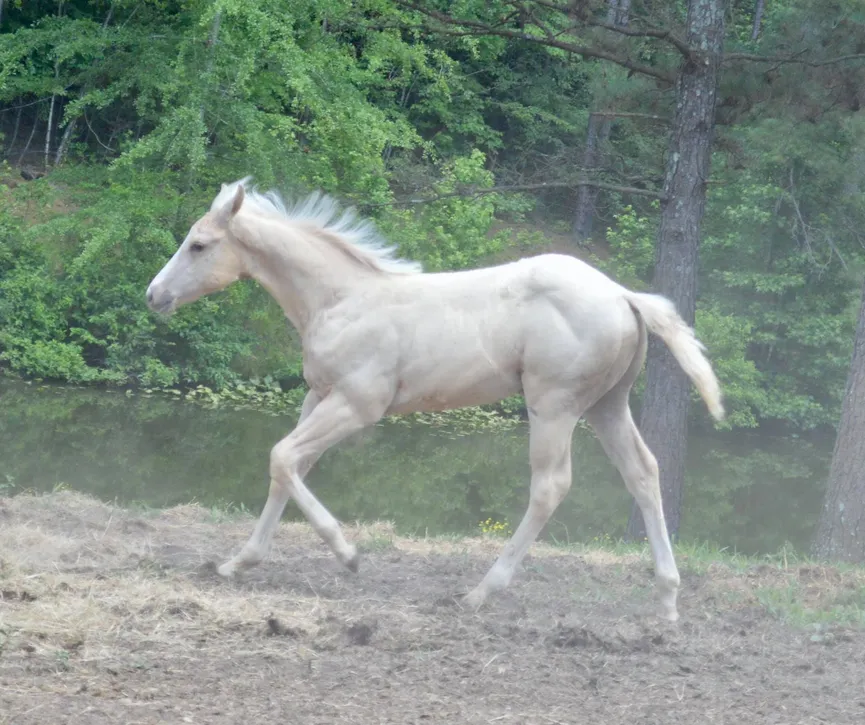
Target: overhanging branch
x,y
665,35
477,28
631,32
628,114
475,191
797,59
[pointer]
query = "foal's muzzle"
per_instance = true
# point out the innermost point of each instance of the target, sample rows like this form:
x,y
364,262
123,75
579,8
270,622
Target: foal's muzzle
x,y
160,302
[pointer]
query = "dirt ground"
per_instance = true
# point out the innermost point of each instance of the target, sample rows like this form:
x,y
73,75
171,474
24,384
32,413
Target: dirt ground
x,y
113,616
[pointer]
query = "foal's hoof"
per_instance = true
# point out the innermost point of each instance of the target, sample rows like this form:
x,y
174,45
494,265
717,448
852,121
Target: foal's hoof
x,y
475,599
208,569
353,562
667,609
226,570
667,615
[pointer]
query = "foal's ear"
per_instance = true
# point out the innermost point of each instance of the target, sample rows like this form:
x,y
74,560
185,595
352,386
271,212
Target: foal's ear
x,y
237,202
229,209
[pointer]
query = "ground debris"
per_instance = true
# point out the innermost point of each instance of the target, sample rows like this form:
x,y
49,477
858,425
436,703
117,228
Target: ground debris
x,y
16,595
579,637
126,622
275,627
360,633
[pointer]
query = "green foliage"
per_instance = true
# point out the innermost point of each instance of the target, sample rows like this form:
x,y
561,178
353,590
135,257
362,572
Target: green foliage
x,y
727,337
454,232
631,245
72,306
780,261
780,245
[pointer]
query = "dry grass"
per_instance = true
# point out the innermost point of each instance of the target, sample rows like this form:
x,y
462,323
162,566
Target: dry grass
x,y
121,614
78,574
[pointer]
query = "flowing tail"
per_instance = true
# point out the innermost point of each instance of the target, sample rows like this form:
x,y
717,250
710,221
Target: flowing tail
x,y
662,318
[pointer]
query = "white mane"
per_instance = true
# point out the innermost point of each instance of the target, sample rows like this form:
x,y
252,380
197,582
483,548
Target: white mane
x,y
356,237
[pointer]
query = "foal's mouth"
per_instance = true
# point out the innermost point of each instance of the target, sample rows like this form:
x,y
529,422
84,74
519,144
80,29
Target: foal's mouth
x,y
164,306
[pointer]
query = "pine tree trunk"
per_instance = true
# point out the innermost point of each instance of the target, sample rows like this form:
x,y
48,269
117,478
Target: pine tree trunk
x,y
758,19
597,136
664,418
618,12
587,196
841,529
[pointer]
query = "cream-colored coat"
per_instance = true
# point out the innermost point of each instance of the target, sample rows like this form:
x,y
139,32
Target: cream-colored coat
x,y
381,337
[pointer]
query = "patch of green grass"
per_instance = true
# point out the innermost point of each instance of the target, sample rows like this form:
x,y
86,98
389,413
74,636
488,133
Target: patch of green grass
x,y
696,557
789,585
699,557
139,508
61,659
378,542
226,511
790,604
7,486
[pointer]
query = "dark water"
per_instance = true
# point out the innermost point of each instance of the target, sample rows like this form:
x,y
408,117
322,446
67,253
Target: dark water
x,y
744,493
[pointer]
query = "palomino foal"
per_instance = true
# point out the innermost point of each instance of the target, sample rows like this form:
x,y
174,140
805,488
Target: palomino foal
x,y
380,337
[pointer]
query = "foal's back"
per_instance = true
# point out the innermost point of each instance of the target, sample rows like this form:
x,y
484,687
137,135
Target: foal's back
x,y
473,337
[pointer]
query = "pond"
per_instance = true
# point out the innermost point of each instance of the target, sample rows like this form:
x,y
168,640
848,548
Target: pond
x,y
743,492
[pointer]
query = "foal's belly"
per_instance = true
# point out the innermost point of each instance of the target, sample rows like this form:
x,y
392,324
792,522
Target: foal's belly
x,y
447,386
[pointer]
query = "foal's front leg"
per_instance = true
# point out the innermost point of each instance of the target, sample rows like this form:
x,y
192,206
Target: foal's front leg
x,y
322,424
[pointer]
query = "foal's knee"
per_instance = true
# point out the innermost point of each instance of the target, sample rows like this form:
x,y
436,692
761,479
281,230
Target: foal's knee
x,y
547,494
282,461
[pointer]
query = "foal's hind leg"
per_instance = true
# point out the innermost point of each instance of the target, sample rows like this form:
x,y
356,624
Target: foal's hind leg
x,y
550,451
615,428
321,425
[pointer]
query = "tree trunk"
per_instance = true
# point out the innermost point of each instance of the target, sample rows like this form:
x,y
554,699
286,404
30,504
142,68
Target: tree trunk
x,y
758,19
29,138
597,136
211,57
48,133
618,12
841,529
587,196
17,126
63,148
664,417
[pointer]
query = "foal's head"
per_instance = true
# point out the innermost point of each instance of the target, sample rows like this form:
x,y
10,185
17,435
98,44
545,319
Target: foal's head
x,y
207,261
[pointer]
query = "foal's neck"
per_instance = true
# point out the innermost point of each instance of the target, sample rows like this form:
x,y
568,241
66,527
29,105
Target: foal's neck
x,y
306,275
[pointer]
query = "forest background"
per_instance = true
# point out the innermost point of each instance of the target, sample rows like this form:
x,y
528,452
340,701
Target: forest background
x,y
467,145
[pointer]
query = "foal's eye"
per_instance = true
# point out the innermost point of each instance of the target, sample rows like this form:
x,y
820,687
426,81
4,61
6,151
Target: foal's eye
x,y
196,247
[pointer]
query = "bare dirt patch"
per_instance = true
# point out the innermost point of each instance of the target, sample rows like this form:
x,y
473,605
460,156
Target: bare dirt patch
x,y
109,616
